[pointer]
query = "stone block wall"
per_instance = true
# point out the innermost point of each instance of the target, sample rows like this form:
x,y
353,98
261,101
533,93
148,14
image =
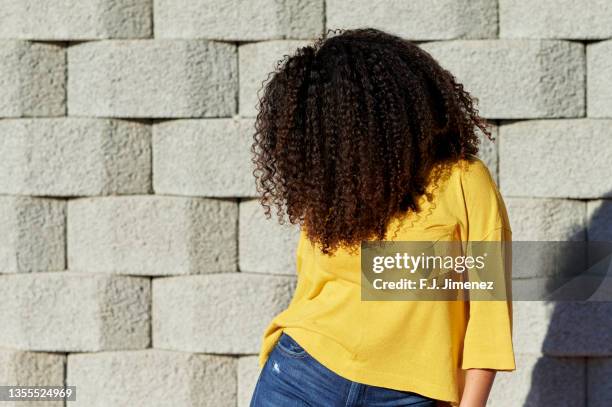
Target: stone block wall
x,y
135,262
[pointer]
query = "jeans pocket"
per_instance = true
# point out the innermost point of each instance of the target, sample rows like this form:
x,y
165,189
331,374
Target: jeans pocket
x,y
290,347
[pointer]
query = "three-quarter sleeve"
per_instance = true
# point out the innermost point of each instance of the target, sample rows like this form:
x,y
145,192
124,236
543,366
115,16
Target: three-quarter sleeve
x,y
488,336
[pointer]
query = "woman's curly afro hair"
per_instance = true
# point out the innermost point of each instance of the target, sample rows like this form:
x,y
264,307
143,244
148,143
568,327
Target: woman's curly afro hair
x,y
349,130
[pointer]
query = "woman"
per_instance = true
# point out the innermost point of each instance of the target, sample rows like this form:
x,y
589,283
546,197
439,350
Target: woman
x,y
363,136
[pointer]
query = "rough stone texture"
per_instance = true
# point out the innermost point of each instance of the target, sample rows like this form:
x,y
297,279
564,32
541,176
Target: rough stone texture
x,y
238,20
256,61
599,218
31,368
265,245
209,157
541,381
599,83
556,158
32,79
248,373
583,282
18,368
546,219
217,313
590,19
161,78
152,378
75,19
570,329
74,312
417,20
152,235
518,78
67,157
599,385
33,234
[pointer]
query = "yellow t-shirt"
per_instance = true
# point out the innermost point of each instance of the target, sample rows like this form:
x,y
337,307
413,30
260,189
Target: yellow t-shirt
x,y
417,346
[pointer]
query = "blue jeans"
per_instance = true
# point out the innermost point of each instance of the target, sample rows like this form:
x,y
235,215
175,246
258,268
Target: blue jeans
x,y
291,377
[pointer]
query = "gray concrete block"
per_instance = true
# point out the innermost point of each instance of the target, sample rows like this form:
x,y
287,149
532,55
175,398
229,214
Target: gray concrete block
x,y
74,312
152,378
72,157
160,78
417,20
556,158
217,313
22,368
530,325
256,62
599,220
546,219
540,381
591,19
75,19
265,245
599,385
599,232
518,78
248,373
19,368
152,235
32,79
239,20
599,83
209,157
571,329
33,234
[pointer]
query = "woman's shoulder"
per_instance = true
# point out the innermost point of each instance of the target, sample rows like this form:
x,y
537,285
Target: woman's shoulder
x,y
482,198
472,175
469,174
473,167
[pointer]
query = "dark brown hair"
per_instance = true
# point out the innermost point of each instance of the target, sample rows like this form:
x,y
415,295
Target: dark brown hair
x,y
349,130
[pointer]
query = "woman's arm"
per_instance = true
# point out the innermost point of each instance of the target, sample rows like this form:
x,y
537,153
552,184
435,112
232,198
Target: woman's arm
x,y
478,384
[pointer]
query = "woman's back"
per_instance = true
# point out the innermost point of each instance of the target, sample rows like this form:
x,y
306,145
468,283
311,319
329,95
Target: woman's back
x,y
407,345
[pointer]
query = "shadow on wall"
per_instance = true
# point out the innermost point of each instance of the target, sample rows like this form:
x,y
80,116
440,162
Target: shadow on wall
x,y
574,367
